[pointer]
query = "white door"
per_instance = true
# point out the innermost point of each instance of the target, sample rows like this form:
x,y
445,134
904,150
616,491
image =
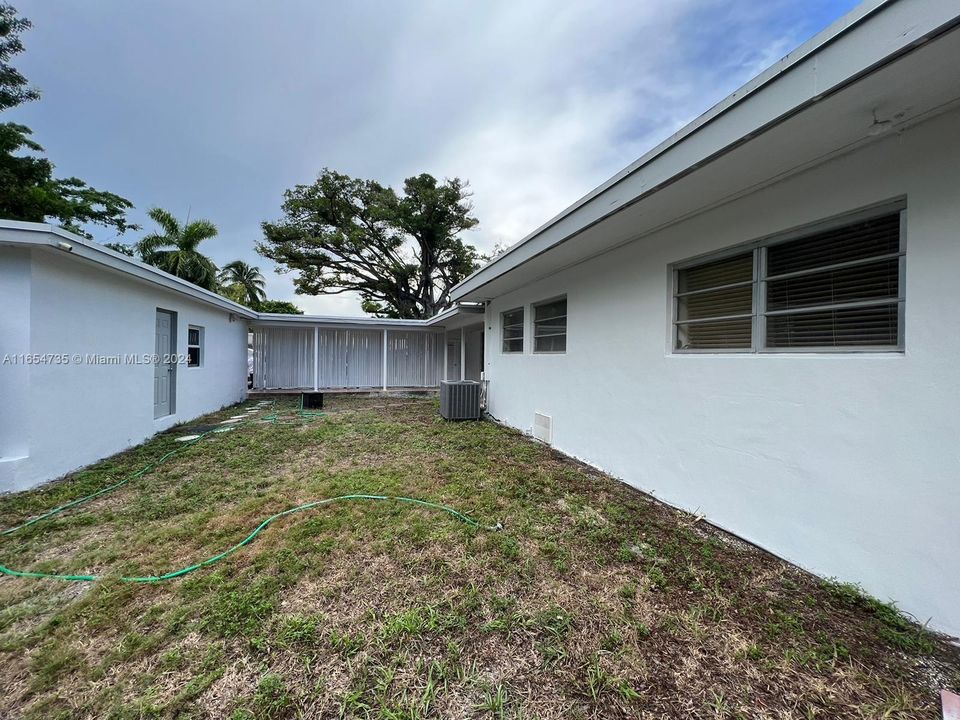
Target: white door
x,y
474,364
453,359
164,370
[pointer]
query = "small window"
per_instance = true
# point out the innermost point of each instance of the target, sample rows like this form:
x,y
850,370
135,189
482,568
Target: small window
x,y
839,288
550,326
194,345
511,323
715,305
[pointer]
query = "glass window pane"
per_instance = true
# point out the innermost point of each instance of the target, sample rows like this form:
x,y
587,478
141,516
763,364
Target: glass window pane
x,y
193,356
513,345
877,236
875,326
716,273
550,343
511,323
716,303
550,326
875,281
735,334
557,308
513,317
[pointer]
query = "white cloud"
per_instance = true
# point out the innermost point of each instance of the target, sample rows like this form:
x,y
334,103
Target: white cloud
x,y
535,103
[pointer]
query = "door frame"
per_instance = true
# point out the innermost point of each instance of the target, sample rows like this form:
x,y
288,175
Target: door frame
x,y
451,356
172,387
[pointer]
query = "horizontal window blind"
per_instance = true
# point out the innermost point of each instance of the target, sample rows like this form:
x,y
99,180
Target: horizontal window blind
x,y
837,288
714,305
511,323
550,326
851,327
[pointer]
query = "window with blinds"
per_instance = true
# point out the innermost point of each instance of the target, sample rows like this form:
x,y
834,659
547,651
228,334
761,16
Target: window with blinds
x,y
511,327
839,288
715,304
550,326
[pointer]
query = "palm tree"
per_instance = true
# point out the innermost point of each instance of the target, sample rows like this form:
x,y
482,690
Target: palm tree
x,y
243,282
174,248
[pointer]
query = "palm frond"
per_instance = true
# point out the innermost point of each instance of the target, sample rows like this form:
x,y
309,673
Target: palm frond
x,y
166,220
198,231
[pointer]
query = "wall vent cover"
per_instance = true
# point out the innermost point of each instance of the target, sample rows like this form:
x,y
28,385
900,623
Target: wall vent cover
x,y
543,427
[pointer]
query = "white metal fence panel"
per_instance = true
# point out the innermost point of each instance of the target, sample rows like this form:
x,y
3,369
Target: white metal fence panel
x,y
282,358
414,359
350,358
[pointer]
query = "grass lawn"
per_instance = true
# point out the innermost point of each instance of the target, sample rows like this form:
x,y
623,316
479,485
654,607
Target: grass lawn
x,y
594,601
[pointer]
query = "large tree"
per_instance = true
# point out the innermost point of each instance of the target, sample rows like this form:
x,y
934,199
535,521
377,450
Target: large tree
x,y
174,249
242,283
284,307
401,252
28,189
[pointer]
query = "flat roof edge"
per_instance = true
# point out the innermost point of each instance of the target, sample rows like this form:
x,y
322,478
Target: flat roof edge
x,y
49,236
290,319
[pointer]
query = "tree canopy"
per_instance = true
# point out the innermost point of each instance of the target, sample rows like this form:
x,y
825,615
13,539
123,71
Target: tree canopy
x,y
14,88
242,283
279,306
401,252
28,189
174,249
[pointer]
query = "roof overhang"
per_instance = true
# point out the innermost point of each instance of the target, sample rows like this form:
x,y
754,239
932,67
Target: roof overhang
x,y
49,238
892,60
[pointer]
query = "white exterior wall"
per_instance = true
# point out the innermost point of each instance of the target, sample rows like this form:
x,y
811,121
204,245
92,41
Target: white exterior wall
x,y
64,416
846,464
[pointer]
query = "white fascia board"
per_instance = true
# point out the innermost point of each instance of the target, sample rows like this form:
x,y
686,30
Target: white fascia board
x,y
870,36
336,320
436,321
41,235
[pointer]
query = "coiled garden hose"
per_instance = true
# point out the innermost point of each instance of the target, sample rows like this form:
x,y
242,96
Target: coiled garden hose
x,y
272,418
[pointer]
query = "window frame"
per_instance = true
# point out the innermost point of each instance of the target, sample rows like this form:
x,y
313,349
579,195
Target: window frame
x,y
198,345
758,329
533,325
523,330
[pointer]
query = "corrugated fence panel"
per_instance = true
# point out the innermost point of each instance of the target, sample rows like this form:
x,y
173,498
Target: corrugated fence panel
x,y
434,359
282,358
346,358
413,358
350,358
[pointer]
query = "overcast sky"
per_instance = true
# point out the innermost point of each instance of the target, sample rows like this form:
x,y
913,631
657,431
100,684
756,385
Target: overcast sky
x,y
218,107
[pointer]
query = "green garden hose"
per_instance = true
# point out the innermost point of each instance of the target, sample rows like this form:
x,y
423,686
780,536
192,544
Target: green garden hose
x,y
273,418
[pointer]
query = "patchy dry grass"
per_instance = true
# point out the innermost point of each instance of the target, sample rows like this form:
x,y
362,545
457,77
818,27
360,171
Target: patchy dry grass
x,y
595,600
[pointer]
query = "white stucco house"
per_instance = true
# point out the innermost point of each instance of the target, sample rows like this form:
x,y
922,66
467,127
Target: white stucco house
x,y
99,351
756,321
80,325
